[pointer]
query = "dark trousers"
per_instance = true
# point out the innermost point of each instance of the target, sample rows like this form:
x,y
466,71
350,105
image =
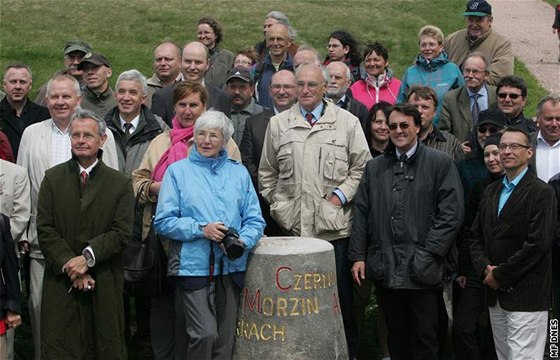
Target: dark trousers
x,y
412,322
345,289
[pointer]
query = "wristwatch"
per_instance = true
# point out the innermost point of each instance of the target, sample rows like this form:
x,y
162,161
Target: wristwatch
x,y
90,261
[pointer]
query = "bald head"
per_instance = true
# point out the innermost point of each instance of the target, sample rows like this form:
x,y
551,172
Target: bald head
x,y
306,57
194,63
310,86
167,62
283,89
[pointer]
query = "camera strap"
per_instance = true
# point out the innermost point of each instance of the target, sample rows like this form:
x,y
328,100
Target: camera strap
x,y
212,259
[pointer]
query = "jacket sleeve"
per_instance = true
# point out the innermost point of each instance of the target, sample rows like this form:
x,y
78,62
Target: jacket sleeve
x,y
110,157
479,259
502,63
246,148
403,89
170,221
142,177
21,207
112,242
11,294
252,222
268,167
449,211
445,121
465,236
357,248
540,233
358,156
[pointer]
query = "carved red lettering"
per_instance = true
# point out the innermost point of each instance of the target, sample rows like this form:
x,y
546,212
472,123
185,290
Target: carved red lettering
x,y
278,285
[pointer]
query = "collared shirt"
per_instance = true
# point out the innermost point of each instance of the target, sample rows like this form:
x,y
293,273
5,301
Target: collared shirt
x,y
341,101
547,158
482,98
134,123
410,151
88,171
239,118
60,145
507,189
317,112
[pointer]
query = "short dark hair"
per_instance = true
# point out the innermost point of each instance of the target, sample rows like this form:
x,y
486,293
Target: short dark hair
x,y
408,110
378,49
514,82
215,25
423,93
513,129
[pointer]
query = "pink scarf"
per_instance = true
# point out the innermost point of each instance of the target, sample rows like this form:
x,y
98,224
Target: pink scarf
x,y
177,151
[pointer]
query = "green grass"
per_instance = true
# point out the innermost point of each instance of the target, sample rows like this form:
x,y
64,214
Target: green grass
x,y
553,2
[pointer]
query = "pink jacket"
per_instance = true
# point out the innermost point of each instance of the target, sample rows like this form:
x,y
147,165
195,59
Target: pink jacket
x,y
370,95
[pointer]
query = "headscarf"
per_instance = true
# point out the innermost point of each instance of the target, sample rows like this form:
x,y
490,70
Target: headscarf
x,y
178,150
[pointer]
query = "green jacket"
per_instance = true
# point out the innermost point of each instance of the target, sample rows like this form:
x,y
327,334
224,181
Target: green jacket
x,y
76,324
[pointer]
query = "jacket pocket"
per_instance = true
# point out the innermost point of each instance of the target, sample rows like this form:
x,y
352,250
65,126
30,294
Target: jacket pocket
x,y
426,269
285,213
329,217
375,265
285,163
336,166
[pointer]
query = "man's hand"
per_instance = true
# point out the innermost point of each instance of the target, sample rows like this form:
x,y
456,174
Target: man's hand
x,y
215,231
76,267
359,272
334,199
23,246
466,147
489,279
12,320
461,281
84,283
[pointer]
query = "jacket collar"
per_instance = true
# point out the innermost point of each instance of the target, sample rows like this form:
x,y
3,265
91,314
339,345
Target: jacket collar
x,y
212,164
433,64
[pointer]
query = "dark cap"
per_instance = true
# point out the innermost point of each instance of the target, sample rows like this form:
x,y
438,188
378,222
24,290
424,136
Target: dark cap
x,y
492,117
478,8
493,139
240,73
95,59
76,45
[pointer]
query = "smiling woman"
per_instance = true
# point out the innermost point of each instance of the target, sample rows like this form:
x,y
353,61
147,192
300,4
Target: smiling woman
x,y
210,33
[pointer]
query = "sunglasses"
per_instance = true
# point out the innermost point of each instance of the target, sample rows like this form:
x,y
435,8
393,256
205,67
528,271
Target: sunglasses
x,y
403,126
490,129
511,96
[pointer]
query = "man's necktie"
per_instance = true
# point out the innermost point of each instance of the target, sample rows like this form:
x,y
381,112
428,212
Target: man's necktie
x,y
84,176
475,109
127,131
309,118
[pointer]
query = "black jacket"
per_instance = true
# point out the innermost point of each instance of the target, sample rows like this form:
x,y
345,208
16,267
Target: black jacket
x,y
10,295
406,217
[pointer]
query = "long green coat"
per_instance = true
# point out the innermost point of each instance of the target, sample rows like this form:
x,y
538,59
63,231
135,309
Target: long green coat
x,y
76,324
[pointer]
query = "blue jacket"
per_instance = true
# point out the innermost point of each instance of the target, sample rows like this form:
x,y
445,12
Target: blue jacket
x,y
199,190
263,77
439,74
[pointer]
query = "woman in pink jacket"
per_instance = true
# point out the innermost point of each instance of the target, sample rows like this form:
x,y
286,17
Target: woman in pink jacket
x,y
378,83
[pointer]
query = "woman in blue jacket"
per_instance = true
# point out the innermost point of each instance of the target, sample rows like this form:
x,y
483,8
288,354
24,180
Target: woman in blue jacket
x,y
202,198
432,68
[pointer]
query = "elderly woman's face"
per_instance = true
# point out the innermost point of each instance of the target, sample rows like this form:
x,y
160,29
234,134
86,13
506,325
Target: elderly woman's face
x,y
429,47
209,142
188,109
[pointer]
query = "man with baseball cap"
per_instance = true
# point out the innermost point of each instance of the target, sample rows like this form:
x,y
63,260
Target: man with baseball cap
x,y
241,87
97,96
478,36
74,52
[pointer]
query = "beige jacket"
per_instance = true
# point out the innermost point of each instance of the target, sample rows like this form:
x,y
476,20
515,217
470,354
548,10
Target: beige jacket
x,y
142,177
301,166
15,201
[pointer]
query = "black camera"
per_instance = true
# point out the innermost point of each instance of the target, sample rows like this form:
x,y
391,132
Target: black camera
x,y
234,247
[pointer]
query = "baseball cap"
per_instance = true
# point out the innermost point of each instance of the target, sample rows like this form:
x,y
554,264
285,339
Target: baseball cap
x,y
76,45
492,117
95,59
240,73
478,8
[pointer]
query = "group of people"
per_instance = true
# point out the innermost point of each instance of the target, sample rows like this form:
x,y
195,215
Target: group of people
x,y
432,189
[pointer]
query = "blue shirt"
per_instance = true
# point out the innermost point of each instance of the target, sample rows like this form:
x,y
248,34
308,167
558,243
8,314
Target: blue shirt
x,y
316,112
507,189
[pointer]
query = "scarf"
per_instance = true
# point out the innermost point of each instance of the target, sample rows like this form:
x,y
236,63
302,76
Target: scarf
x,y
177,151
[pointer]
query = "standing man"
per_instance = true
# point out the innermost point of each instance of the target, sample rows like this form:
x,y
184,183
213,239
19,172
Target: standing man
x,y
17,111
167,68
97,95
194,65
312,162
478,36
511,239
339,81
403,243
462,106
283,93
85,217
511,92
278,41
241,88
74,52
44,145
546,141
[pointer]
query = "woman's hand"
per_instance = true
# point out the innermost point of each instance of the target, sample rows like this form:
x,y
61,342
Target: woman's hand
x,y
215,231
13,320
154,188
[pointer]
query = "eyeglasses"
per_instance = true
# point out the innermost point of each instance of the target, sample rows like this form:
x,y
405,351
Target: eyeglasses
x,y
511,96
512,146
475,72
243,62
403,126
310,84
278,87
490,129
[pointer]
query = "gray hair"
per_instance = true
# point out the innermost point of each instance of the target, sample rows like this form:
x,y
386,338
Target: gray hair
x,y
18,65
282,19
212,119
347,70
80,113
134,75
62,77
481,57
554,98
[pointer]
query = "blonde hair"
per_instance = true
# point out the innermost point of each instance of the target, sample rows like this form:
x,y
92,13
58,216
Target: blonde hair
x,y
432,31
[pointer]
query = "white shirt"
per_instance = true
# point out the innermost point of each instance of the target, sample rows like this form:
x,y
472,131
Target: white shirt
x,y
547,158
60,145
134,123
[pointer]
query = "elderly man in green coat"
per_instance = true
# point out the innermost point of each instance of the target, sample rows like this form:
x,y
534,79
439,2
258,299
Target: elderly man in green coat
x,y
84,221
